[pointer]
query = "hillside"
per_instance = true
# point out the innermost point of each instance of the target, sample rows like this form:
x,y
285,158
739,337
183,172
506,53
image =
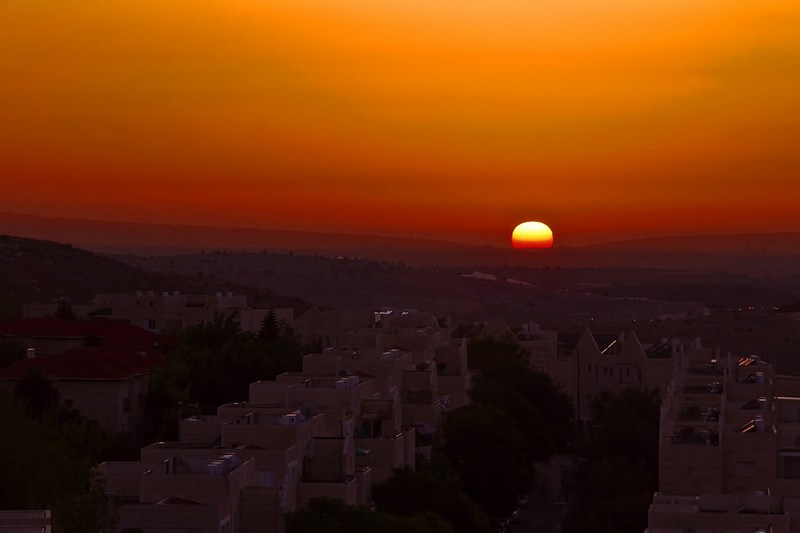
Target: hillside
x,y
787,242
763,254
34,271
358,283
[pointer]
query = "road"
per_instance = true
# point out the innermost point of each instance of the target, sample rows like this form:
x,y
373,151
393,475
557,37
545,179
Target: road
x,y
545,501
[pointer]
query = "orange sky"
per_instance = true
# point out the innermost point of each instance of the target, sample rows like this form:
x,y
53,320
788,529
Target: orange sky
x,y
607,119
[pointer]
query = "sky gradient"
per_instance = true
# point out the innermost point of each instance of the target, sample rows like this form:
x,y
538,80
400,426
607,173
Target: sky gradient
x,y
606,119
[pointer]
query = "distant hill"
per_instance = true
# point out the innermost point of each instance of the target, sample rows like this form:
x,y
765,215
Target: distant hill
x,y
36,271
363,284
112,236
747,242
753,254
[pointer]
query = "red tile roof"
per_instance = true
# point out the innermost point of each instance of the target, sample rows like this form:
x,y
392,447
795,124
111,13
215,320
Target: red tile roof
x,y
90,364
109,332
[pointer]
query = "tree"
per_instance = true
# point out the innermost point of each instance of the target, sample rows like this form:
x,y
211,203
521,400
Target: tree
x,y
540,407
330,514
333,516
488,454
271,327
64,310
47,465
617,473
214,364
11,351
37,392
432,488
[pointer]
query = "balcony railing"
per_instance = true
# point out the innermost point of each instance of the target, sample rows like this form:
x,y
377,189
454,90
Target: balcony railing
x,y
700,438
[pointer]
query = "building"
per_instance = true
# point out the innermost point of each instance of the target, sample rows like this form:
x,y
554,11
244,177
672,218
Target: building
x,y
729,449
107,385
25,521
161,312
343,423
53,336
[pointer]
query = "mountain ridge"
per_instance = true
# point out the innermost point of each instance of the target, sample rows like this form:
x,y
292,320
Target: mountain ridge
x,y
106,235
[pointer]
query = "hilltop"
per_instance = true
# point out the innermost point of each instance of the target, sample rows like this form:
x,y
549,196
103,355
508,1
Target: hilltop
x,y
464,295
36,271
751,254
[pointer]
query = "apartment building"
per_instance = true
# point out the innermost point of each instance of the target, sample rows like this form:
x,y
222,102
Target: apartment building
x,y
108,385
588,364
167,311
344,422
729,450
183,491
25,521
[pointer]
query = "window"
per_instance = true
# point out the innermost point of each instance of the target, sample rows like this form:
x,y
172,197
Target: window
x,y
126,405
151,324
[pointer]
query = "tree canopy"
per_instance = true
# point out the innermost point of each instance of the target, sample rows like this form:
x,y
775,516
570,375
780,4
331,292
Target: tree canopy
x,y
63,446
617,470
331,515
488,453
432,488
215,363
541,409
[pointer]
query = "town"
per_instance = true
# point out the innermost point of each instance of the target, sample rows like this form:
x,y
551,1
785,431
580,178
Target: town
x,y
230,418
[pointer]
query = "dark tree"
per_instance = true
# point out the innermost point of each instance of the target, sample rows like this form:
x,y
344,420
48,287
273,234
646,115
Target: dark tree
x,y
332,516
271,327
213,364
541,409
617,472
63,450
64,310
488,454
11,351
432,488
38,393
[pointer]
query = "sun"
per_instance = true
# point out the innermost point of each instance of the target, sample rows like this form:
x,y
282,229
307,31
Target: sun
x,y
532,235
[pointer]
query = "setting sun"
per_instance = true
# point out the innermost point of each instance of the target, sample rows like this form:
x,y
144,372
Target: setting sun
x,y
532,235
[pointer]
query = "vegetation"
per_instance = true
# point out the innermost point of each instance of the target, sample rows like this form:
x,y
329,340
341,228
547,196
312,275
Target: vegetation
x,y
327,514
617,470
214,364
64,446
541,409
488,454
39,271
519,416
432,488
11,351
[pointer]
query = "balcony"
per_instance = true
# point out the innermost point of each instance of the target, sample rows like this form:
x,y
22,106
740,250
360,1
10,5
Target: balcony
x,y
715,387
699,414
418,397
690,435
